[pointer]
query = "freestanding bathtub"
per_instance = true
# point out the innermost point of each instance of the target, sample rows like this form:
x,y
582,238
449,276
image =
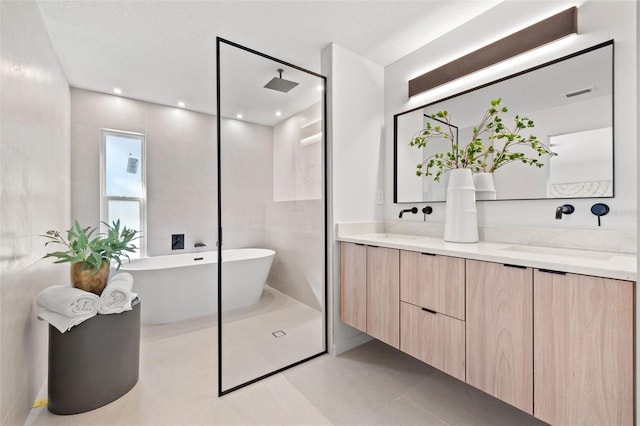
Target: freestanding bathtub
x,y
182,286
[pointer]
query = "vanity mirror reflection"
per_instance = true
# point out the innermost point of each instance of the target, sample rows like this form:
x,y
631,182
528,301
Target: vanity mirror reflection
x,y
571,102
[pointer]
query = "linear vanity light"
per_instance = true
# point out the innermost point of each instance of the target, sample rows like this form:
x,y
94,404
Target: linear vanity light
x,y
551,29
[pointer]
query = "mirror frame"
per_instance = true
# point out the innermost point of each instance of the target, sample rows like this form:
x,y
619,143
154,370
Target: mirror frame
x,y
499,80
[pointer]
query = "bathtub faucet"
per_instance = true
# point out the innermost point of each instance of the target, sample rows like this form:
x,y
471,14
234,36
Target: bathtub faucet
x,y
199,245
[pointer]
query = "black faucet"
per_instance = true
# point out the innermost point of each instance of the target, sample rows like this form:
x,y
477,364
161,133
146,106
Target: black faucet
x,y
564,209
426,210
413,210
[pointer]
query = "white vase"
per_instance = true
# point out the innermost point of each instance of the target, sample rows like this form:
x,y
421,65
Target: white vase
x,y
485,188
461,216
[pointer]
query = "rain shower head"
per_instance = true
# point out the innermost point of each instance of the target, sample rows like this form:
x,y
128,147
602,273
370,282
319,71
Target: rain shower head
x,y
280,84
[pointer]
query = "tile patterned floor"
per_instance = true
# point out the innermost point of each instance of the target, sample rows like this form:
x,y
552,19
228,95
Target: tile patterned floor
x,y
373,384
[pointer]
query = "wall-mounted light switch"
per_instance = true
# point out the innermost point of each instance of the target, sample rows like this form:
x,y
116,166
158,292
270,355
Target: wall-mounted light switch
x,y
177,241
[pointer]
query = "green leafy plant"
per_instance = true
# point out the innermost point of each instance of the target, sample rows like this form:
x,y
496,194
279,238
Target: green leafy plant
x,y
84,245
475,156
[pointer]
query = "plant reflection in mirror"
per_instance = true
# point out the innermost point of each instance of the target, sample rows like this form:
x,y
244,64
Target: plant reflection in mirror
x,y
502,140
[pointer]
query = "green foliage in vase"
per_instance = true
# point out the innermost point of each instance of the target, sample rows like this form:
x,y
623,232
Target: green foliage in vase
x,y
84,245
475,156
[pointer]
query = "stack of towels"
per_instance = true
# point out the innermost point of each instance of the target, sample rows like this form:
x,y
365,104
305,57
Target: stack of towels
x,y
65,307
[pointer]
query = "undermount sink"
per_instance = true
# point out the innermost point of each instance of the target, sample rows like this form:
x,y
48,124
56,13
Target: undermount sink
x,y
552,251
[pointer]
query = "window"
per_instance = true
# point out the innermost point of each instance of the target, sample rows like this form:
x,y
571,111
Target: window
x,y
122,181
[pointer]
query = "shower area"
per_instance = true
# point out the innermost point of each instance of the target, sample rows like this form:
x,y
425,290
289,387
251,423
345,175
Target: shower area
x,y
271,195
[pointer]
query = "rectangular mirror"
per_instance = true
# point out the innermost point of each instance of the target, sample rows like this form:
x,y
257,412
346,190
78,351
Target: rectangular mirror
x,y
571,102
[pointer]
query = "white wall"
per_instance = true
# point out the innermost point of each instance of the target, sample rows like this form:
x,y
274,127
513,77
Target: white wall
x,y
637,293
181,170
34,176
598,21
356,166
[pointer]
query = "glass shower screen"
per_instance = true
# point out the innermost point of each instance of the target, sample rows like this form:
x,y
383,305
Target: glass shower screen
x,y
271,215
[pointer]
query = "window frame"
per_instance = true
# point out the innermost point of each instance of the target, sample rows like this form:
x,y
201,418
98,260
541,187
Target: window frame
x,y
142,200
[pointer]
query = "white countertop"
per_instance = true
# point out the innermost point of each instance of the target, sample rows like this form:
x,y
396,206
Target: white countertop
x,y
596,263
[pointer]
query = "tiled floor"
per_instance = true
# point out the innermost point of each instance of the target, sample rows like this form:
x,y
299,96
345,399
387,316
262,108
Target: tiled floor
x,y
251,350
373,384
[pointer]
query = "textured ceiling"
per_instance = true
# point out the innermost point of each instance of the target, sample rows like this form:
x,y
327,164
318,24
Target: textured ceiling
x,y
164,51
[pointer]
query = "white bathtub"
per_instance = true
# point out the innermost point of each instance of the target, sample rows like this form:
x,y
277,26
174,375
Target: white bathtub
x,y
182,286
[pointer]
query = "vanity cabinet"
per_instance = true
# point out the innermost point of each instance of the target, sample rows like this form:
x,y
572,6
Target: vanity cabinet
x,y
370,291
583,351
499,334
553,344
433,281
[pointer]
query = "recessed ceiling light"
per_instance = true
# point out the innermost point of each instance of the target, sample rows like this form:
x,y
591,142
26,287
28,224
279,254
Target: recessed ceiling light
x,y
117,90
278,113
319,88
181,104
238,115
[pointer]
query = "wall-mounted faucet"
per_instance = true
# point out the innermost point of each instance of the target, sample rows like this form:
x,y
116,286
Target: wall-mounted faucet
x,y
564,209
426,210
413,210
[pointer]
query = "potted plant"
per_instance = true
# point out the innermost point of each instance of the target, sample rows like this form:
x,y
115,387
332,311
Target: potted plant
x,y
91,254
504,147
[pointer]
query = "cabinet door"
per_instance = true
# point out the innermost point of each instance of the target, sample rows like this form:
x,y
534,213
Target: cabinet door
x,y
433,281
383,294
500,331
353,285
433,338
583,358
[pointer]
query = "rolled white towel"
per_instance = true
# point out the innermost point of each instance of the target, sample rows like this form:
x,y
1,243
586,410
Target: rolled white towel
x,y
117,295
68,301
65,307
62,322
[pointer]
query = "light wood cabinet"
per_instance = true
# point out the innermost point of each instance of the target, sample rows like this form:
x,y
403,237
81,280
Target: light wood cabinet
x,y
370,290
434,282
353,285
434,338
383,294
583,357
554,344
500,331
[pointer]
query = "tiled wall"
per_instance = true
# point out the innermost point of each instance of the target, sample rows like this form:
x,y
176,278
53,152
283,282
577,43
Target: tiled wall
x,y
34,176
295,230
295,219
181,170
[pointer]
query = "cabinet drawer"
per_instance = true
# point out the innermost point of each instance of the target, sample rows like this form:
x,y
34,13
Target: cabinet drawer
x,y
433,338
433,282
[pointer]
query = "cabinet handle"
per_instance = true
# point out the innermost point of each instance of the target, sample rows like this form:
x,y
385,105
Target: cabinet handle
x,y
514,266
428,254
549,271
429,310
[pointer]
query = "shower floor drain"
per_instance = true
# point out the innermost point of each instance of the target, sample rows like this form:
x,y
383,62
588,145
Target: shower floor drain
x,y
279,333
